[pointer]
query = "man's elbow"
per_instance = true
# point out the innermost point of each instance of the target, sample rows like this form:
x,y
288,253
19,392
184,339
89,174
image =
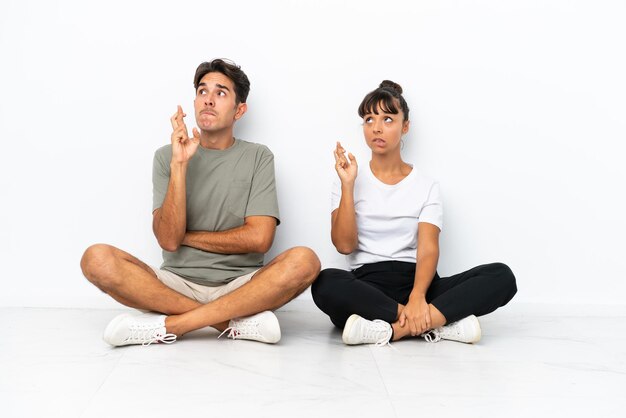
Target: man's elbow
x,y
169,245
264,244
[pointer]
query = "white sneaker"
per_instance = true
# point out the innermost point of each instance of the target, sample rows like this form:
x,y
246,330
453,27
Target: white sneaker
x,y
466,330
261,327
359,330
143,329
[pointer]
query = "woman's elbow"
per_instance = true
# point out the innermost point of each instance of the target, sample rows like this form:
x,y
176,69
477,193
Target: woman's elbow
x,y
345,248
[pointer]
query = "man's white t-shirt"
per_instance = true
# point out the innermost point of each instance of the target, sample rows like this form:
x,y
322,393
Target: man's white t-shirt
x,y
387,216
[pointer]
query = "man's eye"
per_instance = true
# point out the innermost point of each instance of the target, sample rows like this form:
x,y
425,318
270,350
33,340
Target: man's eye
x,y
221,93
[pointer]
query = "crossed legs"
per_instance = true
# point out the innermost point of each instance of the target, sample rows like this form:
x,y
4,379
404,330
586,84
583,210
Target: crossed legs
x,y
378,291
133,283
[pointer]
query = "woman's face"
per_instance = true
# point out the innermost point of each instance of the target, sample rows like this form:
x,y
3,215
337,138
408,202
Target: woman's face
x,y
383,131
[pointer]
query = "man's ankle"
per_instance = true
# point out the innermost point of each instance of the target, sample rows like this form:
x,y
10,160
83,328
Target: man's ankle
x,y
171,325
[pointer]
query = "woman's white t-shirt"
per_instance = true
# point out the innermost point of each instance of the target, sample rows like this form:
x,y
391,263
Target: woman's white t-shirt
x,y
387,216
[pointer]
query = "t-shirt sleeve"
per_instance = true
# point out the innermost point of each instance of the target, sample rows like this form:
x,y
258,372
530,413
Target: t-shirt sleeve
x,y
335,195
160,179
432,211
263,200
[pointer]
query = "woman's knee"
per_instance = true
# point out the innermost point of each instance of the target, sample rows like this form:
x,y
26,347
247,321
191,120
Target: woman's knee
x,y
327,285
506,278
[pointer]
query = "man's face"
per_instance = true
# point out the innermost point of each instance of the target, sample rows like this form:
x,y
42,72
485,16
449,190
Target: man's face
x,y
215,105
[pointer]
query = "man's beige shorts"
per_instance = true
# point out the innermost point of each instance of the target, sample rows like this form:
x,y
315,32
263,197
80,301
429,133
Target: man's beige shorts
x,y
202,294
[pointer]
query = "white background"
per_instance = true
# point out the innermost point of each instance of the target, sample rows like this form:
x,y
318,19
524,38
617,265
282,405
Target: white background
x,y
518,109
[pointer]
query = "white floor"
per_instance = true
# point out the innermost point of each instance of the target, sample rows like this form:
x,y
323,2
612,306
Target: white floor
x,y
532,362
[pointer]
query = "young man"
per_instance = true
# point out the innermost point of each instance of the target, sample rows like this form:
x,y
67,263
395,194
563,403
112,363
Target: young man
x,y
215,212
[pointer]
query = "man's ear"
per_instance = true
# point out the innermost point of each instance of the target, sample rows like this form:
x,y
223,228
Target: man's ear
x,y
241,109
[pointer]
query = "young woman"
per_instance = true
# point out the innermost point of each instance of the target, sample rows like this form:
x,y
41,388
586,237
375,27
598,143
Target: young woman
x,y
386,217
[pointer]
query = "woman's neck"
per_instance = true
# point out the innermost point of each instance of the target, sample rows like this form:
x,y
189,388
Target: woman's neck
x,y
390,169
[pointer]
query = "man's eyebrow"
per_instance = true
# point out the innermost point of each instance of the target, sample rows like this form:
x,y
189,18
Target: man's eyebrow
x,y
221,86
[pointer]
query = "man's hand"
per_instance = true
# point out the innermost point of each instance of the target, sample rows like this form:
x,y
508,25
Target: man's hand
x,y
347,171
416,314
183,147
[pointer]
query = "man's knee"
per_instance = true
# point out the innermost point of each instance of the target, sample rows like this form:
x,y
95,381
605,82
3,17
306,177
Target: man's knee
x,y
304,264
97,263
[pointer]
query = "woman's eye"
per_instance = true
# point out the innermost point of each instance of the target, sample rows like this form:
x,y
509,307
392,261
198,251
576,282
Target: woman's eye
x,y
388,119
368,120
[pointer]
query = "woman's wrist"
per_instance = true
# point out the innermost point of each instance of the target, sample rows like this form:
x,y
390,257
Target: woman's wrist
x,y
417,295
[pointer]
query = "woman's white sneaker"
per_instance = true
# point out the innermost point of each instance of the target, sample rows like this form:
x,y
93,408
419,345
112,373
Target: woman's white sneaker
x,y
145,329
263,327
359,330
466,330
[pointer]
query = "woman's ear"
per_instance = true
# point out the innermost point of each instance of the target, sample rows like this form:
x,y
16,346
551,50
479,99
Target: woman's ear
x,y
405,126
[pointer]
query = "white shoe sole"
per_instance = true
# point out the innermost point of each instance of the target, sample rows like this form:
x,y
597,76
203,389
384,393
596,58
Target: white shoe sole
x,y
109,331
346,329
276,334
477,330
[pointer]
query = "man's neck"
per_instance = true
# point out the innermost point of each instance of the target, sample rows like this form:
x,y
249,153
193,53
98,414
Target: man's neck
x,y
217,140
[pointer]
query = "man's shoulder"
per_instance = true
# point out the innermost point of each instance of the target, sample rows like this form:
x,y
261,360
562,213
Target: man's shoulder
x,y
164,152
258,149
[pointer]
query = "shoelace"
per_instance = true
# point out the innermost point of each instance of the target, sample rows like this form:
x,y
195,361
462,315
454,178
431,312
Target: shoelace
x,y
244,327
432,336
448,331
381,327
158,338
150,335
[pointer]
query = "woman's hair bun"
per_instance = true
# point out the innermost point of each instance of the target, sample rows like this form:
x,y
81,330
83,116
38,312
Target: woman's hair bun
x,y
388,84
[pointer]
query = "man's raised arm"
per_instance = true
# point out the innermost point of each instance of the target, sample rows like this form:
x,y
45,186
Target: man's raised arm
x,y
169,222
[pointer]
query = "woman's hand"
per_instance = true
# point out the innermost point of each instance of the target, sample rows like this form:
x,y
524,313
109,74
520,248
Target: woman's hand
x,y
416,314
347,170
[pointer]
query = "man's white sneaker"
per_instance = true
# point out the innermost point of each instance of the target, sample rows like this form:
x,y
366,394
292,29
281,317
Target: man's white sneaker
x,y
143,329
359,330
466,330
261,327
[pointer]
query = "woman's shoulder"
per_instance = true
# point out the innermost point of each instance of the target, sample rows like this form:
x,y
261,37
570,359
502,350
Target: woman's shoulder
x,y
421,177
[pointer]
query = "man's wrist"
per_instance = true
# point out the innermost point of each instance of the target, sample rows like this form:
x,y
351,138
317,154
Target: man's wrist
x,y
179,165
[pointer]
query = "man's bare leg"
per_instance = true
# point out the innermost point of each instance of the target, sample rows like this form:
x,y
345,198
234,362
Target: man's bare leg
x,y
131,282
284,278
